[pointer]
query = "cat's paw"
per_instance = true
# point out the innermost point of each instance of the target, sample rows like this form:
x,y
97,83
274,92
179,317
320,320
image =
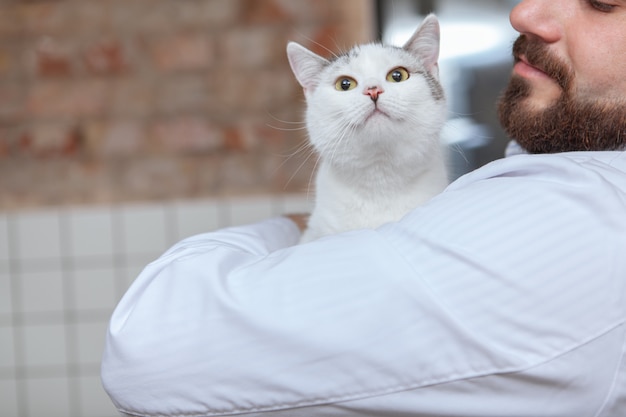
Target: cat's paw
x,y
300,219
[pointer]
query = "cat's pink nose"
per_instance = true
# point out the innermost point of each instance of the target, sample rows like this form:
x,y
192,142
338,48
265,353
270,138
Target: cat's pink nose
x,y
373,92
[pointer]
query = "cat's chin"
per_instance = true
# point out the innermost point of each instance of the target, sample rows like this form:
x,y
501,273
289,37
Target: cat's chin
x,y
376,116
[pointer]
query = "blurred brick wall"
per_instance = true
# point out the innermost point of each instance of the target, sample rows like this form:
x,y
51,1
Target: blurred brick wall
x,y
107,101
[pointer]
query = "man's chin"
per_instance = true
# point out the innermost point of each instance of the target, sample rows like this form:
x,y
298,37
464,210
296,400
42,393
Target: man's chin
x,y
540,94
538,102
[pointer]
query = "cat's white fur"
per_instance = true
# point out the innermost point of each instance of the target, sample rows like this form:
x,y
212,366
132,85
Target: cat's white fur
x,y
378,160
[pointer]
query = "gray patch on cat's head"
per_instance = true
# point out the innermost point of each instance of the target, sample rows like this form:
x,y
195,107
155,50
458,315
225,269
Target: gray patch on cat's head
x,y
346,57
436,89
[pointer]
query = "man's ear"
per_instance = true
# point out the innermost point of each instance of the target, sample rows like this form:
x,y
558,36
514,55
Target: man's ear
x,y
306,65
424,43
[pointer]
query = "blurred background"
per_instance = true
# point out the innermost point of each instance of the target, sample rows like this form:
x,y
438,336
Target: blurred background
x,y
126,125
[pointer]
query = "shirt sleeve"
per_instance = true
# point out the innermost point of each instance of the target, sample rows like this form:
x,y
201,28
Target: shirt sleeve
x,y
477,283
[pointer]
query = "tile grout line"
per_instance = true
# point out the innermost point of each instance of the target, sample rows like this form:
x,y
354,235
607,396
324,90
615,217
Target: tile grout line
x,y
16,318
69,314
120,257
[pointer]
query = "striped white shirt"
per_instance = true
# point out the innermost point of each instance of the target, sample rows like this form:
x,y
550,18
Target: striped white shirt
x,y
503,296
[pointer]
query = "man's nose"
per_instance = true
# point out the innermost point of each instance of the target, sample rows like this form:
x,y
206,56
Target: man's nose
x,y
539,18
374,92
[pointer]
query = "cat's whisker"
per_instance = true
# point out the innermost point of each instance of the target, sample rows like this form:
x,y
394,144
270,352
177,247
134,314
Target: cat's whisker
x,y
347,131
286,129
296,149
305,147
457,148
312,176
454,114
297,170
342,51
319,44
311,151
336,144
285,121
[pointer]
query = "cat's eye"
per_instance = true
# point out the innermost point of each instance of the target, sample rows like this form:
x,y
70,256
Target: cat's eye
x,y
397,75
345,84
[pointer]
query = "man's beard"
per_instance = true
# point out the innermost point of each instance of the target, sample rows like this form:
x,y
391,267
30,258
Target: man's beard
x,y
570,123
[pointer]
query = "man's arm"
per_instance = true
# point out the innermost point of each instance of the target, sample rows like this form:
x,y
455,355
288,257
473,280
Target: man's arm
x,y
475,292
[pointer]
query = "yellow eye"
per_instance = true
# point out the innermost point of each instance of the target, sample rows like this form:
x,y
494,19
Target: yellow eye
x,y
345,84
397,75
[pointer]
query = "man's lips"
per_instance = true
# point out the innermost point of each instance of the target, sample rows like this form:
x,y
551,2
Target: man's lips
x,y
525,69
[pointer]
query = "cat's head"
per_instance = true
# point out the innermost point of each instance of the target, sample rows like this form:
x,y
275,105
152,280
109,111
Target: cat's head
x,y
374,94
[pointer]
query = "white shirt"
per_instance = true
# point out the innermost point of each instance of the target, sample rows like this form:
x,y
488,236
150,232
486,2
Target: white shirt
x,y
503,296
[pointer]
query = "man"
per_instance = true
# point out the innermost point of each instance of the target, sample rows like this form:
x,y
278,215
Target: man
x,y
503,296
568,91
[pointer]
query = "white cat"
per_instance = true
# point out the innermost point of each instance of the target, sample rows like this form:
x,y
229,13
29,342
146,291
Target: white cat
x,y
374,115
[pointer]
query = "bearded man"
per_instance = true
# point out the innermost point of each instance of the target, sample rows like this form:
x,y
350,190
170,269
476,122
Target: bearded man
x,y
504,296
568,90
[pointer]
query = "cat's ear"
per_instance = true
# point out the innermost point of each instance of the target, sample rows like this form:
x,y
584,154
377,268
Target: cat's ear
x,y
425,43
306,65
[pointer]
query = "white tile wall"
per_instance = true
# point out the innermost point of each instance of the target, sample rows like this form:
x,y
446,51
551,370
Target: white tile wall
x,y
6,305
144,229
93,400
4,239
249,210
43,395
90,338
37,236
45,346
94,288
62,271
8,397
41,291
192,217
90,233
7,353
